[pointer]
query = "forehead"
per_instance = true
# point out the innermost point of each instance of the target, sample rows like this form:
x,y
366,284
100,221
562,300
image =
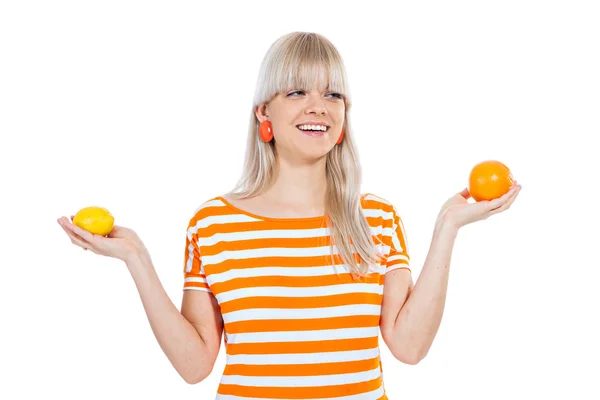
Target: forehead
x,y
311,75
307,83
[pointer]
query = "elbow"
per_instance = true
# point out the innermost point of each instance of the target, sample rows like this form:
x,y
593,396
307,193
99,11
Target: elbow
x,y
409,356
198,377
192,380
410,360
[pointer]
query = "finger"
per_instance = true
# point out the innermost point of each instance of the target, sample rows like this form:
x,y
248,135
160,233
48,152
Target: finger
x,y
76,240
85,235
88,238
465,193
500,201
116,232
507,204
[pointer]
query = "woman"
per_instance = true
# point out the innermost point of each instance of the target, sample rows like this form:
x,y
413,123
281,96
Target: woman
x,y
298,267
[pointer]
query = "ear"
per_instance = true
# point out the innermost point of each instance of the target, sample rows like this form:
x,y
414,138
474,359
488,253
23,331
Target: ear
x,y
261,112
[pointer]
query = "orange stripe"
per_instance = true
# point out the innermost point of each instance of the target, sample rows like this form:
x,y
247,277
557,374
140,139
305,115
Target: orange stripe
x,y
260,225
194,275
252,226
270,325
290,281
300,392
377,222
304,302
253,244
196,284
400,235
195,254
397,261
306,261
323,346
346,367
374,204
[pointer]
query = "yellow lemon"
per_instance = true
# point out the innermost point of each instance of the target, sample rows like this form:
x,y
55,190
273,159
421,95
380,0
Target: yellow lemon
x,y
97,220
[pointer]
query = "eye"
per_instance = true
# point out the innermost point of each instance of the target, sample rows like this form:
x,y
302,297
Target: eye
x,y
336,95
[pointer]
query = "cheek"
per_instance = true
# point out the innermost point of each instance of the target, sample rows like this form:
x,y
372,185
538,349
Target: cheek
x,y
338,114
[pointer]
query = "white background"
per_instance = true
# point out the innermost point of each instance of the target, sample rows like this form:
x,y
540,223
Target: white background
x,y
143,108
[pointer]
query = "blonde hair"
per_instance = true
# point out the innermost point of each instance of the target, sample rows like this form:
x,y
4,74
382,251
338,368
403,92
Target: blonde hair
x,y
298,60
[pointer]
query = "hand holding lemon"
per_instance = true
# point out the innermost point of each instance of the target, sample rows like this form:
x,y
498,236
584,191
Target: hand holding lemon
x,y
93,228
97,220
492,186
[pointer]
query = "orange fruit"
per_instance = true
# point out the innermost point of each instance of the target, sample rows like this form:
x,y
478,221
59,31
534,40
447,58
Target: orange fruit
x,y
97,220
489,180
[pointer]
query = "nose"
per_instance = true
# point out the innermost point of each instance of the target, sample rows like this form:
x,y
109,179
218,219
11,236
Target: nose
x,y
315,104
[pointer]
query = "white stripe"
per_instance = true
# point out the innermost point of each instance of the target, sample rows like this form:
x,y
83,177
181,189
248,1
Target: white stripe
x,y
371,196
202,289
219,219
188,267
255,314
210,203
204,205
306,336
268,252
396,241
299,292
263,234
286,271
389,231
397,257
375,213
275,234
383,248
308,358
196,279
375,394
301,381
404,235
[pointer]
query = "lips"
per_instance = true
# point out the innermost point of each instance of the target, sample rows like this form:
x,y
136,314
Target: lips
x,y
312,133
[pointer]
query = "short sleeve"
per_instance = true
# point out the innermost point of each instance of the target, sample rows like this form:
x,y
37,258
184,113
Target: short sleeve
x,y
193,271
398,256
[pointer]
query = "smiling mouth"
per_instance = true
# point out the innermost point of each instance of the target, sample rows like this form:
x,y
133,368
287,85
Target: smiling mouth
x,y
313,132
317,133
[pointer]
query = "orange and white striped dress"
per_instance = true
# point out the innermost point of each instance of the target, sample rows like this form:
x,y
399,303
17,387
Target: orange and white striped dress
x,y
294,328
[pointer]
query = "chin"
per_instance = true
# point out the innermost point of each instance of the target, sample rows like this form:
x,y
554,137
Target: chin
x,y
315,153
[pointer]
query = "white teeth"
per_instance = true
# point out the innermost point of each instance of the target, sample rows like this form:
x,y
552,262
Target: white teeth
x,y
313,127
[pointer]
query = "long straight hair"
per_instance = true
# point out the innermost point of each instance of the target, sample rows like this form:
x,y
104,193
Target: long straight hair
x,y
301,60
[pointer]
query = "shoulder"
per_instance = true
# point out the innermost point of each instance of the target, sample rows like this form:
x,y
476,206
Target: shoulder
x,y
370,201
209,207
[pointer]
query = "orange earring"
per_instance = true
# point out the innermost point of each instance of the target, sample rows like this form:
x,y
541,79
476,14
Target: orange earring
x,y
341,137
266,131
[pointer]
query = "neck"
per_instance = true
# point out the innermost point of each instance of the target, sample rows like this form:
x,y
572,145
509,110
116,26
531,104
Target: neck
x,y
299,184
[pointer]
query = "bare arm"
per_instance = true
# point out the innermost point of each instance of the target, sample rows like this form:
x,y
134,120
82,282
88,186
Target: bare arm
x,y
191,338
413,315
418,312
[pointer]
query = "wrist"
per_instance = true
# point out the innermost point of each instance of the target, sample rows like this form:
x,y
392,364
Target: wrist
x,y
446,227
137,256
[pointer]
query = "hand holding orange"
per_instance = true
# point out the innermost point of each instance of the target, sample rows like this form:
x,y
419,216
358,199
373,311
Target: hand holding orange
x,y
489,180
493,188
96,220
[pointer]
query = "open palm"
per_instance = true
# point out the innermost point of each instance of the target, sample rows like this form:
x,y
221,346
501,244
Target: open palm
x,y
459,212
120,243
